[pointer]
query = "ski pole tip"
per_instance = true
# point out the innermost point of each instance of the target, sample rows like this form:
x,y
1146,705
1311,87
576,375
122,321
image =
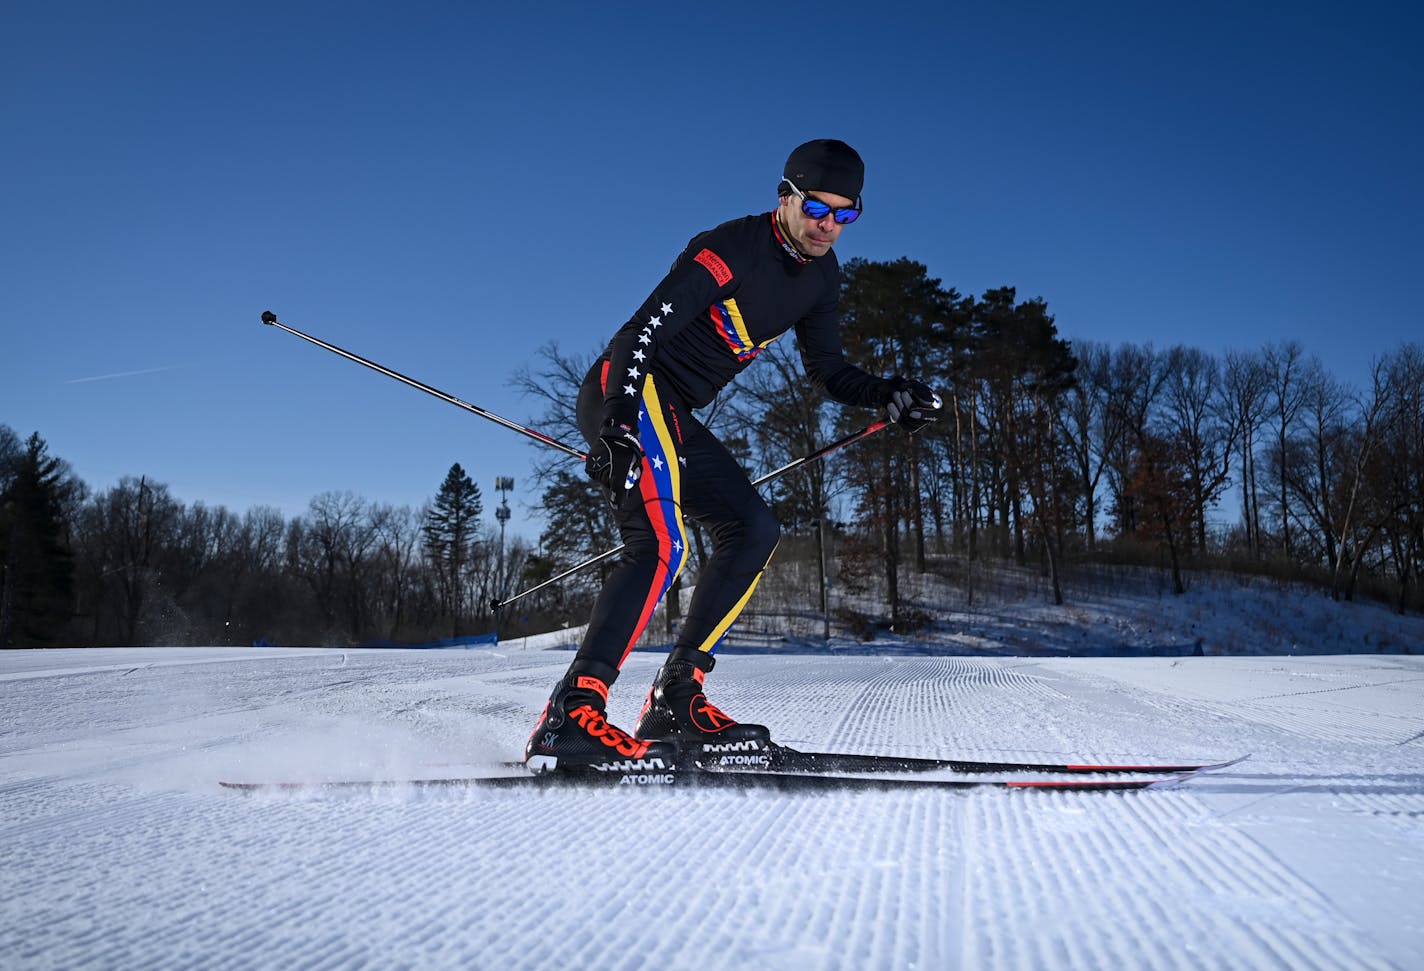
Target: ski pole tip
x,y
268,317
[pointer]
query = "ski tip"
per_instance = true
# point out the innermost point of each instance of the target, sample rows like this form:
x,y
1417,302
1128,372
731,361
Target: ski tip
x,y
1225,765
239,786
1169,782
274,786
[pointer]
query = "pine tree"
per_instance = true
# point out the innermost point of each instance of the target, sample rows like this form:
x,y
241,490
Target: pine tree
x,y
450,530
36,565
896,319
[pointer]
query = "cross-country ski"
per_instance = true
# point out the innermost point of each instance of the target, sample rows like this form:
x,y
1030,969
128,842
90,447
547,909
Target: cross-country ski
x,y
785,770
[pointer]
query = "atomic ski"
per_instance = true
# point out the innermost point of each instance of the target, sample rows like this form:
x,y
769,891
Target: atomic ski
x,y
738,757
780,758
697,778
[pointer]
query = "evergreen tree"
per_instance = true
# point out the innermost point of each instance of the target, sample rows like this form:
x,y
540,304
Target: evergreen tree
x,y
896,319
36,566
1024,368
450,531
10,452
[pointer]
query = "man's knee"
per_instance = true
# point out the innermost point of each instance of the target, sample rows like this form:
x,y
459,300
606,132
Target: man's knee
x,y
763,532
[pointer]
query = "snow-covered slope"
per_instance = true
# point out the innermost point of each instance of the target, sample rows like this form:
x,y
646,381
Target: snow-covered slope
x,y
1110,611
120,850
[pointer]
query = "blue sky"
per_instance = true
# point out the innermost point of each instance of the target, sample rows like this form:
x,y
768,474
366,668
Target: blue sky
x,y
444,188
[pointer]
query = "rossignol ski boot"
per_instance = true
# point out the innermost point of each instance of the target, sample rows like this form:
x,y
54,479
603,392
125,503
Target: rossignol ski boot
x,y
678,709
573,733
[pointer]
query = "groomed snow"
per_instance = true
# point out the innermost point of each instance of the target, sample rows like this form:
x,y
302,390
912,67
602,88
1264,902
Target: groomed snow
x,y
120,849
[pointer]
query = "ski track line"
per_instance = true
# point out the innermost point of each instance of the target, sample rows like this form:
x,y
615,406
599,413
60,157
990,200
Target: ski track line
x,y
1354,726
112,766
1337,724
1390,718
1357,725
209,695
1340,688
1405,808
1176,878
111,706
128,668
190,706
887,696
940,692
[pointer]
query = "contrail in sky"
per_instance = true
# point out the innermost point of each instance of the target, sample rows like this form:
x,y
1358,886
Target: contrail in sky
x,y
121,374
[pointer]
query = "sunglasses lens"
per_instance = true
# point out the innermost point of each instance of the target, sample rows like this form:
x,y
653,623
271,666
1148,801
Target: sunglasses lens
x,y
814,208
847,216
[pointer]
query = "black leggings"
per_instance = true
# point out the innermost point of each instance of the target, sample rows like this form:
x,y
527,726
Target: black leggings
x,y
687,473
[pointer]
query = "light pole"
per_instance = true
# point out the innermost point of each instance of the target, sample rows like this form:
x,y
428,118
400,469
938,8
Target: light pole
x,y
503,486
824,578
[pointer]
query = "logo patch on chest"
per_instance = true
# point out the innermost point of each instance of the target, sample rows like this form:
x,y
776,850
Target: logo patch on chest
x,y
716,266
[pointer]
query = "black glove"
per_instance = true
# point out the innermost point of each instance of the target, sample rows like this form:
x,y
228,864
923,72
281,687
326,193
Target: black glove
x,y
912,405
616,460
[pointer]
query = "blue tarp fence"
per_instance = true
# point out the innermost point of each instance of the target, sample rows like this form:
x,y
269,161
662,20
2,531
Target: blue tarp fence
x,y
445,643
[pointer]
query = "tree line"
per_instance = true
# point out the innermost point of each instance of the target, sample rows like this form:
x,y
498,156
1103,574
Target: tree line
x,y
1053,450
1049,451
133,565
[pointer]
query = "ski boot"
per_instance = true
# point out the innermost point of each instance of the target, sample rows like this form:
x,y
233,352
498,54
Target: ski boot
x,y
573,733
678,709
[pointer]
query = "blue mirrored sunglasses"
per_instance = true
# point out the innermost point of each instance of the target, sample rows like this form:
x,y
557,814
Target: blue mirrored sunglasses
x,y
816,209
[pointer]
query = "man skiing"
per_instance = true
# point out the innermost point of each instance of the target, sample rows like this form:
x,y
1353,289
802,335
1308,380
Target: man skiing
x,y
731,292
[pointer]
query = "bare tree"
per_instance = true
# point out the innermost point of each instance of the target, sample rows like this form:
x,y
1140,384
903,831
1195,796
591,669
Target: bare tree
x,y
329,548
1397,471
1138,374
1284,363
1192,419
552,383
1316,474
1243,404
1373,415
1090,426
395,567
131,527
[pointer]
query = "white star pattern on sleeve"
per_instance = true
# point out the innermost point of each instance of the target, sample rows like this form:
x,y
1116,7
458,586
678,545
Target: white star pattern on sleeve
x,y
633,373
628,389
657,461
643,338
667,309
638,354
654,323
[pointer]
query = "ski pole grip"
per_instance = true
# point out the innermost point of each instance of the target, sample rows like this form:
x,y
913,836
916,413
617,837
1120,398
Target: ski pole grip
x,y
268,317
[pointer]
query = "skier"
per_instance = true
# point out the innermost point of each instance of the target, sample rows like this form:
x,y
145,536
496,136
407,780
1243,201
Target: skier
x,y
731,292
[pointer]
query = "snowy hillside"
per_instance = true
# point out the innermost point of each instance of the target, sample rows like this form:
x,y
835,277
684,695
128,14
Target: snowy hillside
x,y
120,849
1122,611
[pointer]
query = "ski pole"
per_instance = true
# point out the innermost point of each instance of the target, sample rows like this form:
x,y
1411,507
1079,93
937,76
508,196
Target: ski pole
x,y
820,453
268,317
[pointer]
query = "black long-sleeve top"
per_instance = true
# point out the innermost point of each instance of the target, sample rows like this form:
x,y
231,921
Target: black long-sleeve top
x,y
732,291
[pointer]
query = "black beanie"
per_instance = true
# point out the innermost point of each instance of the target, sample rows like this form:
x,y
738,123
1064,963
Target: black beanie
x,y
826,165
